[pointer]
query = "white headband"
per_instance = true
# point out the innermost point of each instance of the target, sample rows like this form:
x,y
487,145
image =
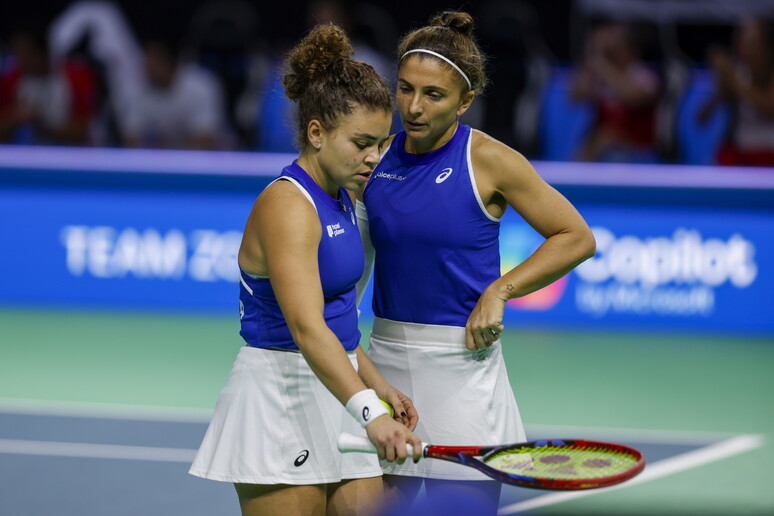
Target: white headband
x,y
444,58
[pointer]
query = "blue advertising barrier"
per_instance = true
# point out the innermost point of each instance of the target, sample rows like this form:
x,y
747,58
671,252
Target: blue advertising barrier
x,y
678,248
657,268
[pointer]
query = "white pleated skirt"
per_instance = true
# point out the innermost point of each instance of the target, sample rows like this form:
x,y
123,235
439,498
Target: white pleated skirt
x,y
462,397
276,423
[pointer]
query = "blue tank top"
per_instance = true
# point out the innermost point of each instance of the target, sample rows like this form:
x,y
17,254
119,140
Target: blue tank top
x,y
437,248
340,260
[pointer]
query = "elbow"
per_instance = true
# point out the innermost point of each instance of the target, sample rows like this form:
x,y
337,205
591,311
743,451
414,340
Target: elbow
x,y
587,245
306,331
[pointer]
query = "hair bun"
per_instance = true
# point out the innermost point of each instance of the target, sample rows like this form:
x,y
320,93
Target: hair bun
x,y
322,49
455,20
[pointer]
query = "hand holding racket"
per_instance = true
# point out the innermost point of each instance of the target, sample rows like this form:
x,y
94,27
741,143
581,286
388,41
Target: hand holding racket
x,y
550,464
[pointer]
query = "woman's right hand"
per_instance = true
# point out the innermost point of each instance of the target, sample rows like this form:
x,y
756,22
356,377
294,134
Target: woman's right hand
x,y
390,439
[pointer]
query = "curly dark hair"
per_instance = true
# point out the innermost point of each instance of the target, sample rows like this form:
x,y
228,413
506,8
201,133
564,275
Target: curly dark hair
x,y
326,83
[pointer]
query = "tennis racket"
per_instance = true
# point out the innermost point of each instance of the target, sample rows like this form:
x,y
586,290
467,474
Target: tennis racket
x,y
551,464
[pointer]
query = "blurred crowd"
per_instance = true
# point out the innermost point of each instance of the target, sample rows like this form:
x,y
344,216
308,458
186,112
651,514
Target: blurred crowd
x,y
627,93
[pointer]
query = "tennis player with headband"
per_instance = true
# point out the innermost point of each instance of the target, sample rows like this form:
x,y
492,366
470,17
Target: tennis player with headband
x,y
433,208
274,429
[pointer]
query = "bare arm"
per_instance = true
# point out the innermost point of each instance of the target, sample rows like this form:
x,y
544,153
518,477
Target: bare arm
x,y
282,236
288,234
404,407
506,178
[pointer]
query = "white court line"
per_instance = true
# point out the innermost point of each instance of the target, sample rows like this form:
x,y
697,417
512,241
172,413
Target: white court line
x,y
151,413
672,465
640,435
103,410
662,468
96,451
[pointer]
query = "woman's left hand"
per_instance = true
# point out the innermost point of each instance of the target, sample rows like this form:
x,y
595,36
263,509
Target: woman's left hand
x,y
405,412
485,324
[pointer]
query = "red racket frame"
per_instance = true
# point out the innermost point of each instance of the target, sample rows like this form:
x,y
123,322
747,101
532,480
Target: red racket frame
x,y
467,455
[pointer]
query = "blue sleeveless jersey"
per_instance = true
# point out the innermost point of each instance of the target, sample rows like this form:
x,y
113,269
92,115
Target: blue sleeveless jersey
x,y
437,248
340,260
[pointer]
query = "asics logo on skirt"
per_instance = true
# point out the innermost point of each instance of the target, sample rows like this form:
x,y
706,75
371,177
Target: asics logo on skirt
x,y
301,458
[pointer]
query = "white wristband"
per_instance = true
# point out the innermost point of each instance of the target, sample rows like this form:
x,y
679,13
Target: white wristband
x,y
365,406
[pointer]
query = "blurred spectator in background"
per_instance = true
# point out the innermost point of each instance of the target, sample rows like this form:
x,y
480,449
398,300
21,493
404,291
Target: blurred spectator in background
x,y
41,101
180,106
334,11
274,126
623,91
519,69
98,33
746,82
274,115
228,38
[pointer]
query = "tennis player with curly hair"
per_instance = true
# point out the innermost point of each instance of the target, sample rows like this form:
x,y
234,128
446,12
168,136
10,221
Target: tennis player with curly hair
x,y
302,378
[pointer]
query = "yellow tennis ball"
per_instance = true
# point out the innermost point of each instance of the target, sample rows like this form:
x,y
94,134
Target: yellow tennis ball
x,y
389,408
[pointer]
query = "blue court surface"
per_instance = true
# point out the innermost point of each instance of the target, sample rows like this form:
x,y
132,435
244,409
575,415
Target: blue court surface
x,y
101,413
132,464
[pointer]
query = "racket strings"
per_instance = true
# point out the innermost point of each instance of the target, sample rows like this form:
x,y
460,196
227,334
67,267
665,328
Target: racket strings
x,y
564,462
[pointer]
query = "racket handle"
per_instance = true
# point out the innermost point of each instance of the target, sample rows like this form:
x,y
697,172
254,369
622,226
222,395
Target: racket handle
x,y
353,443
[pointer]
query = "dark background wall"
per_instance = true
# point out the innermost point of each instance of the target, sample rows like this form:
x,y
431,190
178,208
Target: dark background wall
x,y
285,20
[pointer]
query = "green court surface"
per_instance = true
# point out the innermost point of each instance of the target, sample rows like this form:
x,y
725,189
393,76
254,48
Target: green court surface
x,y
663,388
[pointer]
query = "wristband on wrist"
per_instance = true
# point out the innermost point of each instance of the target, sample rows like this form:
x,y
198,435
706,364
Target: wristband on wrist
x,y
365,406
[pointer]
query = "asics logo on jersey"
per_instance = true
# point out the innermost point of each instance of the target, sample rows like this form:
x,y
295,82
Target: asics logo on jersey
x,y
445,173
334,229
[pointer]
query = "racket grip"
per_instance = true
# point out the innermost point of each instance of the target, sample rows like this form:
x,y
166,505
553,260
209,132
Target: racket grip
x,y
353,443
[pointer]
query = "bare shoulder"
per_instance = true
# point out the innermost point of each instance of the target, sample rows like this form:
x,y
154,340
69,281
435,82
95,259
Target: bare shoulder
x,y
496,159
280,214
283,193
284,205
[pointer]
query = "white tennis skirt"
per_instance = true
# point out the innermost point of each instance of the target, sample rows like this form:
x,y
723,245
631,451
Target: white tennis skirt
x,y
462,397
276,423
